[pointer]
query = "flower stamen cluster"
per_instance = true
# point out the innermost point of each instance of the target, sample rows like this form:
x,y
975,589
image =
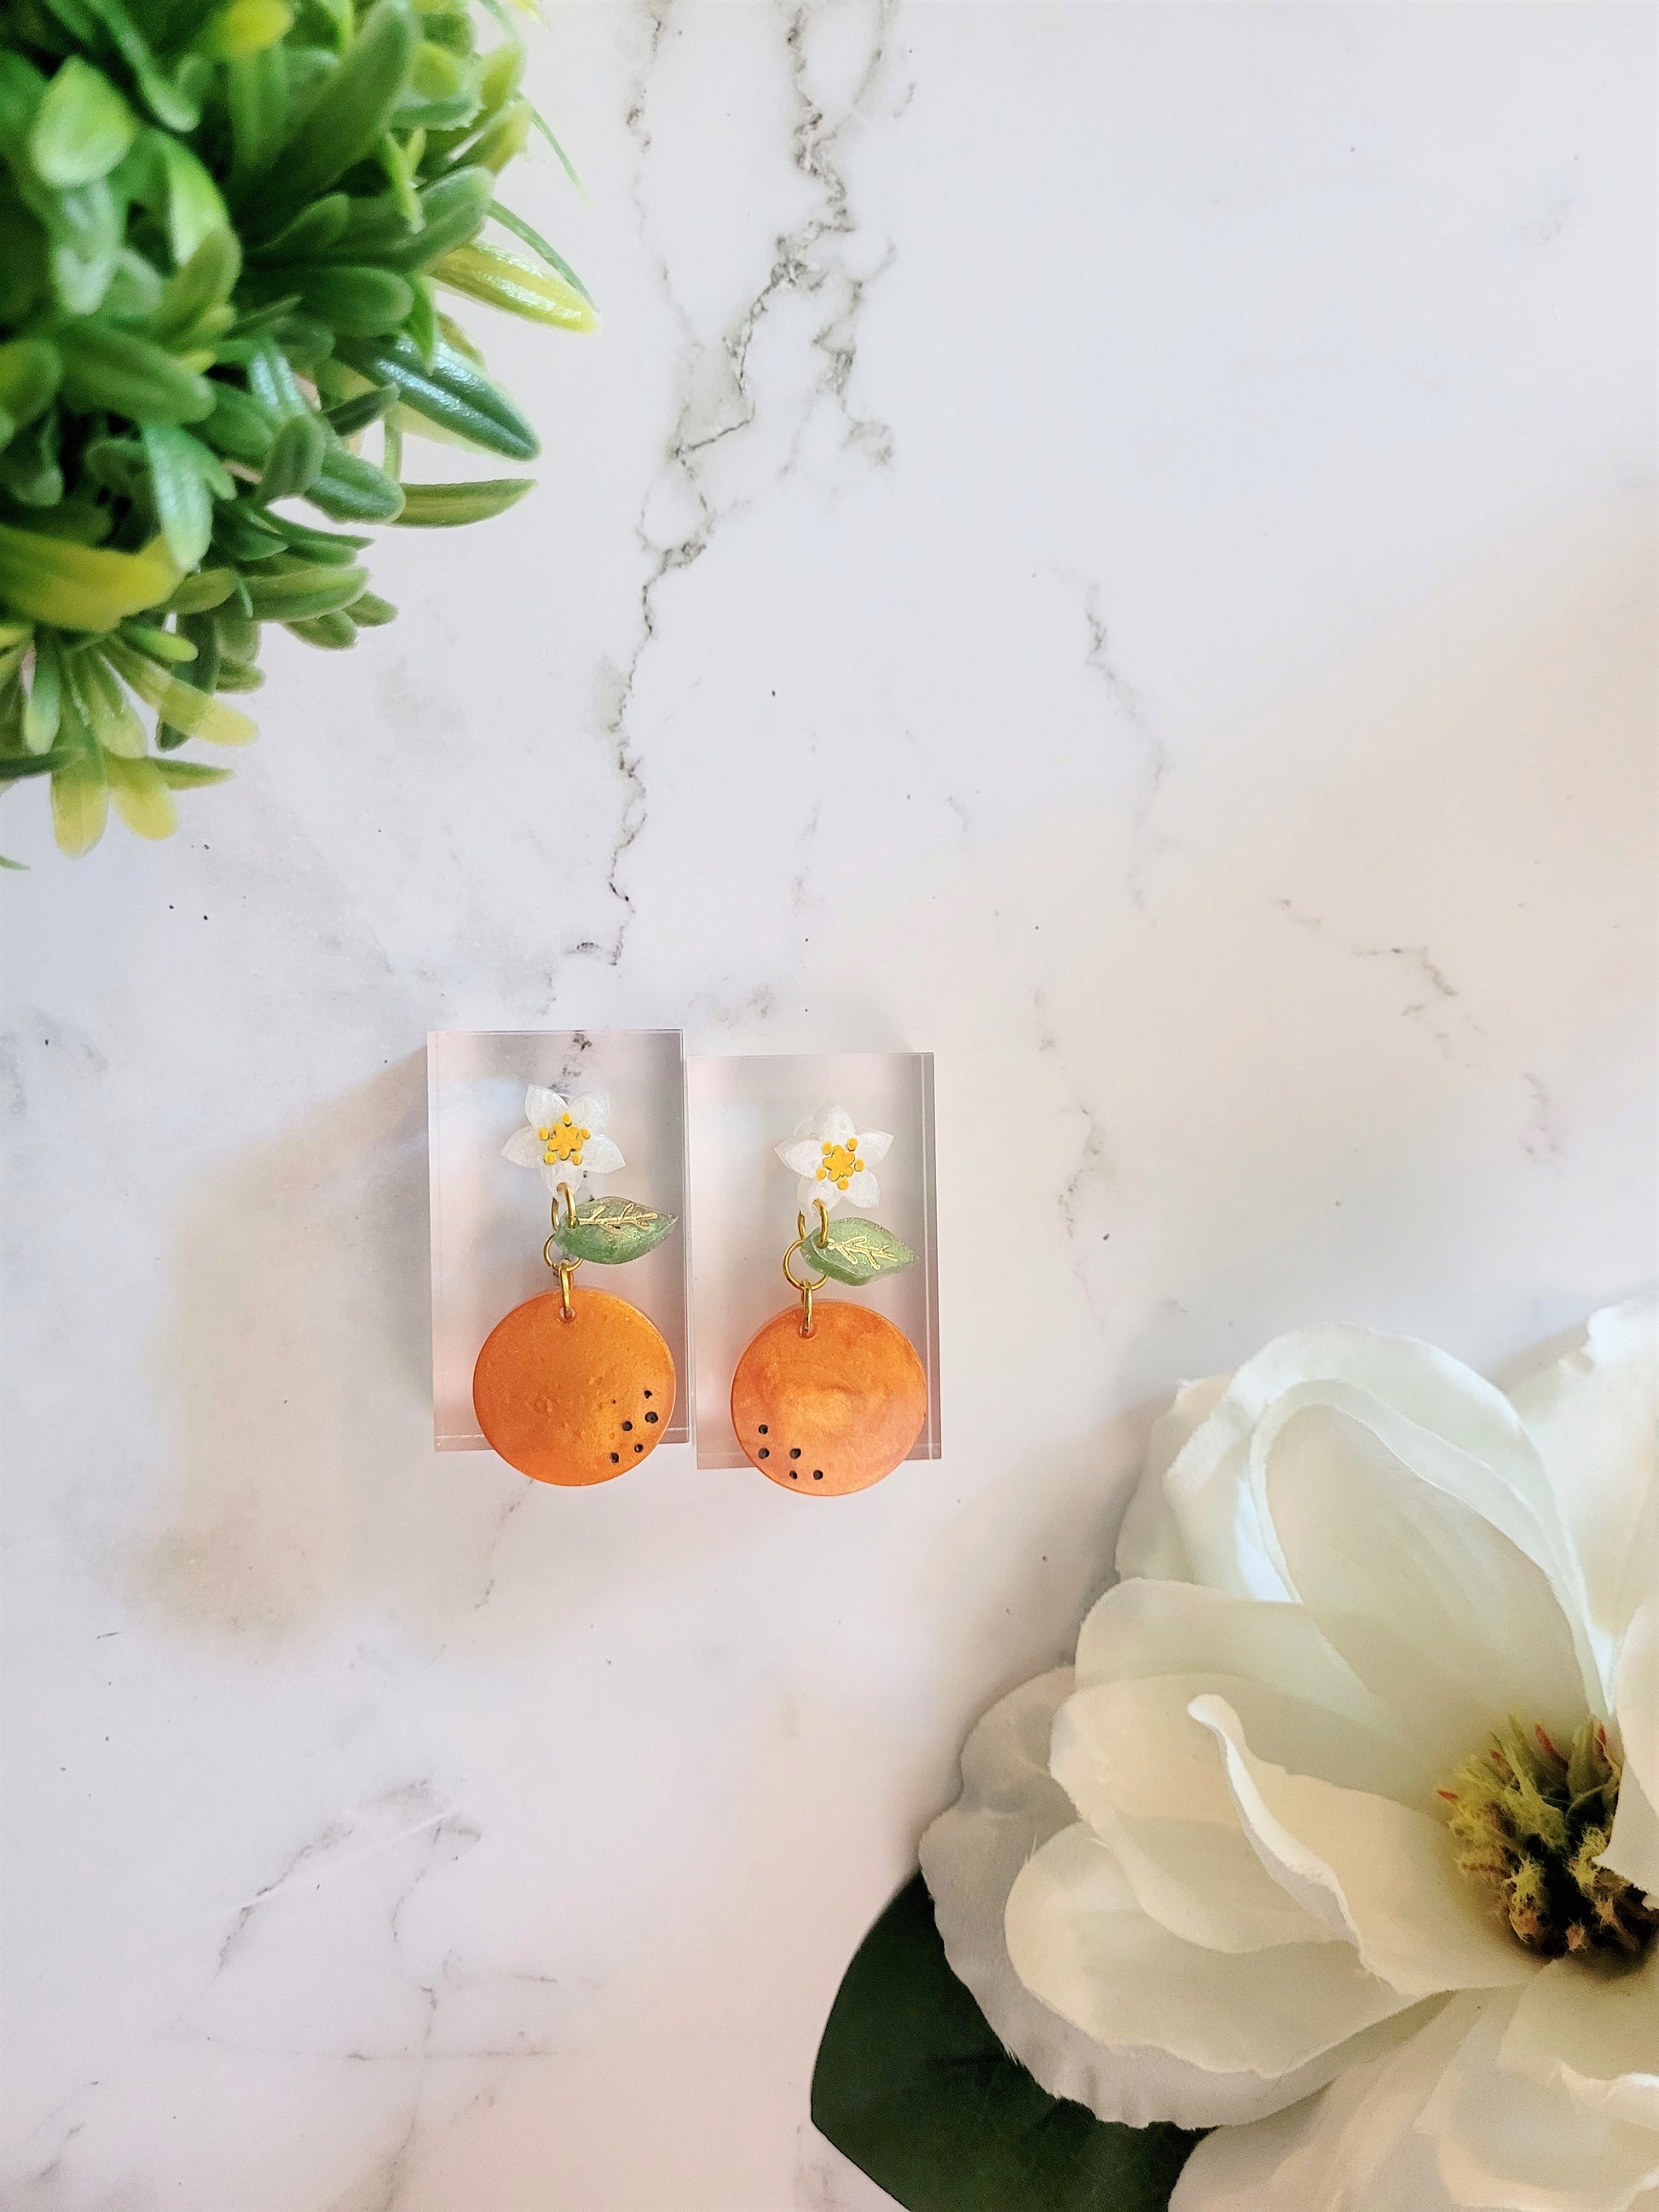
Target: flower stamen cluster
x,y
1530,1823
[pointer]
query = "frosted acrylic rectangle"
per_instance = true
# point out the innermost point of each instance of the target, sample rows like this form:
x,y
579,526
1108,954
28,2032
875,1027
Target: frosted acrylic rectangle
x,y
489,1218
743,1204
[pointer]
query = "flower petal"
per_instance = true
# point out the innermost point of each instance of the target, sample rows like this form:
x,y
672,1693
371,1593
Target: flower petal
x,y
1634,1850
1352,2148
970,1856
862,1190
565,1173
601,1157
833,1122
874,1145
804,1155
1505,2139
1594,2034
1376,1872
1439,1612
543,1106
523,1148
1079,1941
590,1110
1592,1416
1208,1485
1150,1541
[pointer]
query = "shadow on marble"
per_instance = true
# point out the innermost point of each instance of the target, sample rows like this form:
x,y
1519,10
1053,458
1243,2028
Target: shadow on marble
x,y
295,1356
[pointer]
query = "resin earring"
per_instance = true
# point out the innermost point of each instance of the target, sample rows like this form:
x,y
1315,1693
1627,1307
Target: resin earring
x,y
829,1397
574,1387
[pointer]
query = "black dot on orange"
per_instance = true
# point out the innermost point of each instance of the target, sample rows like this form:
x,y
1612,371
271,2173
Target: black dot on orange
x,y
648,1393
764,1453
795,1451
614,1458
818,1474
638,1447
628,1424
650,1417
762,1428
795,1474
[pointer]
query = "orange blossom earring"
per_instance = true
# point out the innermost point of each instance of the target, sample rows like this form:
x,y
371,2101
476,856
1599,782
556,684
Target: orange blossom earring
x,y
574,1388
829,1397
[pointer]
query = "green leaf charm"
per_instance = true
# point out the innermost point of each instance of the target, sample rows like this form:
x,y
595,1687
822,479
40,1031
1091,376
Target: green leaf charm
x,y
855,1251
913,2084
612,1230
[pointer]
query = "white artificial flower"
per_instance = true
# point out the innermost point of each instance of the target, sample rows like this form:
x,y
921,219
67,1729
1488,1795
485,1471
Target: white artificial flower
x,y
1313,1837
564,1138
833,1158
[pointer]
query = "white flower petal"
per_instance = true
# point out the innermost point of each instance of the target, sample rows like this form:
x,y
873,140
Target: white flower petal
x,y
809,1190
600,1156
1594,2034
1352,2148
1202,1882
590,1110
1375,1871
1150,1541
565,1174
1592,1415
1505,2139
862,1190
970,1856
1208,1486
1145,1627
1079,1942
1437,1612
1634,1848
804,1155
523,1148
833,1122
874,1145
543,1106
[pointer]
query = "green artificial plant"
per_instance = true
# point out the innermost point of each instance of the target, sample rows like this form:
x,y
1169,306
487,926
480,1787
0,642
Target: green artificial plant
x,y
225,226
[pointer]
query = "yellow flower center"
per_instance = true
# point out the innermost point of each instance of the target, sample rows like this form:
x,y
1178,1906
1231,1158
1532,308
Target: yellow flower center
x,y
841,1163
1530,1822
564,1142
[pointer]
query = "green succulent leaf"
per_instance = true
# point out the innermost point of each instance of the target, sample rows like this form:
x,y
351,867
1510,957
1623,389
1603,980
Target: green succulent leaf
x,y
81,128
303,593
194,712
347,115
181,483
453,393
857,1251
441,506
296,460
80,586
115,372
613,1230
914,2086
183,776
30,370
507,281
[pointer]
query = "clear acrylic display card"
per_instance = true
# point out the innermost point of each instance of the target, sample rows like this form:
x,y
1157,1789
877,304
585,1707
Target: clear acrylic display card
x,y
744,1203
489,1218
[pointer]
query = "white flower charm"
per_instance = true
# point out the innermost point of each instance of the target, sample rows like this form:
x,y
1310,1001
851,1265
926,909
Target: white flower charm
x,y
565,1138
1346,1823
833,1160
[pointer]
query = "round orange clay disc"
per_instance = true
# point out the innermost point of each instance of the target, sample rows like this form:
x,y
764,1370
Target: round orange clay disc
x,y
574,1401
833,1412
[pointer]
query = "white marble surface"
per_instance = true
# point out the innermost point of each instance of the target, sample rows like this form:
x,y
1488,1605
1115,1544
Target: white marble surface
x,y
1115,542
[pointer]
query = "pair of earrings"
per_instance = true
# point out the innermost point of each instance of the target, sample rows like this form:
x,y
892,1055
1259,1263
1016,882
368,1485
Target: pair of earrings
x,y
574,1387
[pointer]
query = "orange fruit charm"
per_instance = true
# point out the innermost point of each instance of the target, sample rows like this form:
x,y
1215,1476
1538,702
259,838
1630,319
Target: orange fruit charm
x,y
833,1412
574,1401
